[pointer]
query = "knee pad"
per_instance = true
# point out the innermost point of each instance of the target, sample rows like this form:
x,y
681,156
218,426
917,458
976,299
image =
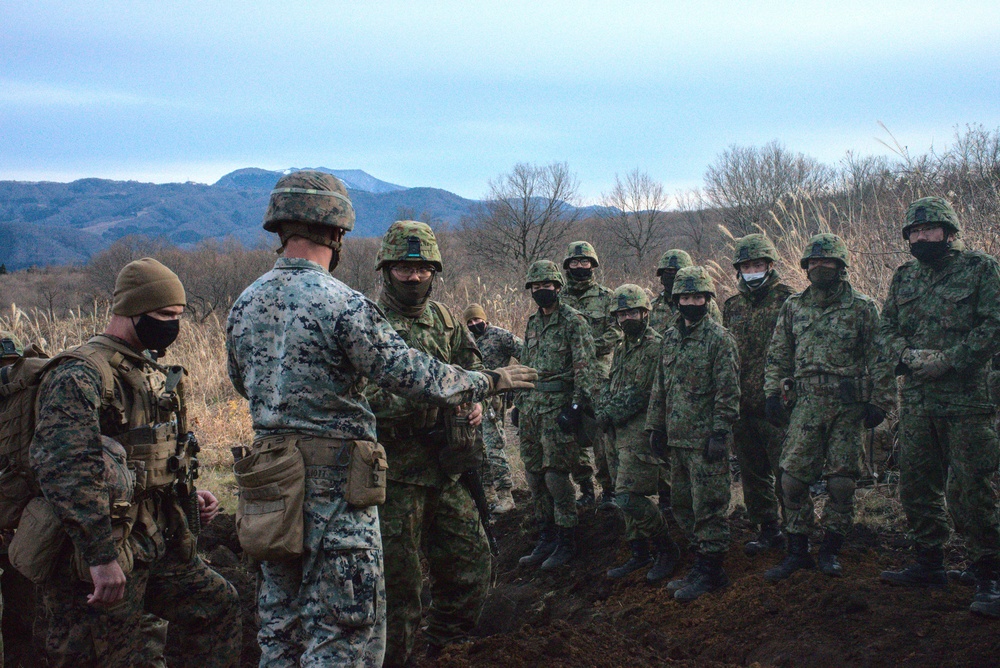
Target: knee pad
x,y
794,490
841,491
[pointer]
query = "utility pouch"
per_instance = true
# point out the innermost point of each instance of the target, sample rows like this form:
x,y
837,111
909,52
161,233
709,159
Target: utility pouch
x,y
269,514
848,391
366,474
462,449
788,394
38,541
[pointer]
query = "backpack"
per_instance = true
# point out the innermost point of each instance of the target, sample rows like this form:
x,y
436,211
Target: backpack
x,y
19,384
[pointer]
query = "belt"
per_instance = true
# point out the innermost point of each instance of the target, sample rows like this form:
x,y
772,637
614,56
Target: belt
x,y
553,386
823,379
316,450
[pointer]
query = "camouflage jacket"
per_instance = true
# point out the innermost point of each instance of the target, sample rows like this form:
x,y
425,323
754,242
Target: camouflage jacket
x,y
593,302
663,315
301,344
497,346
438,333
696,389
750,316
954,308
838,339
626,394
559,346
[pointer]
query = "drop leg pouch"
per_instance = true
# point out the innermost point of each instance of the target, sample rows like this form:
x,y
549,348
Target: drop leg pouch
x,y
269,519
38,541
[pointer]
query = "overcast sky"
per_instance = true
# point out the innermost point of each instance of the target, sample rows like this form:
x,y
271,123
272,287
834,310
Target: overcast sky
x,y
452,94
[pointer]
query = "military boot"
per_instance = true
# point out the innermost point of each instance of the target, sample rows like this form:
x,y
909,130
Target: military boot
x,y
987,570
990,609
710,577
586,500
680,583
505,502
966,577
640,558
826,560
667,556
565,550
769,538
607,501
797,559
927,570
548,541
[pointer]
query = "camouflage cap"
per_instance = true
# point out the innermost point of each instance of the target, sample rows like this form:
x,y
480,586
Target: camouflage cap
x,y
629,296
312,197
542,271
693,280
11,345
825,245
408,241
754,247
674,258
578,250
927,210
473,311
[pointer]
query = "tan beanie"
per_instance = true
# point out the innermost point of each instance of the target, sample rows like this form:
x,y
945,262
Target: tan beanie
x,y
473,311
146,285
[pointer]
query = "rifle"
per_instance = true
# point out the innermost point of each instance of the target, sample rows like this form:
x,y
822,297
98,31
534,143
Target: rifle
x,y
474,485
184,462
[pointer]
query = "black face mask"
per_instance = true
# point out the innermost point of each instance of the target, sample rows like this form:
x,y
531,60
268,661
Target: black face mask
x,y
411,293
929,251
634,328
667,281
545,297
824,278
693,312
155,334
478,329
581,273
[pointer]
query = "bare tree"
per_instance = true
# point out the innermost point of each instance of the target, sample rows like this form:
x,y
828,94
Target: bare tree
x,y
695,220
103,268
525,215
634,214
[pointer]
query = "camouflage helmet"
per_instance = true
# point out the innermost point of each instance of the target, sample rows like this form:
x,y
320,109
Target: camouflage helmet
x,y
825,245
693,280
674,258
542,271
409,240
754,247
629,296
931,210
578,250
12,346
310,197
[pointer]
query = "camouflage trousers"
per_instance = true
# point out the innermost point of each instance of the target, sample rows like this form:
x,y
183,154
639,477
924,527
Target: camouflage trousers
x,y
700,494
637,475
326,608
443,524
598,462
823,441
758,449
549,455
498,468
201,606
948,462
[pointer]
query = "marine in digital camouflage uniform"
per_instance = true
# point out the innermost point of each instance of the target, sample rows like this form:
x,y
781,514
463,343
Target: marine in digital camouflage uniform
x,y
10,352
301,347
101,621
692,407
557,342
592,300
622,415
941,329
825,339
750,316
497,346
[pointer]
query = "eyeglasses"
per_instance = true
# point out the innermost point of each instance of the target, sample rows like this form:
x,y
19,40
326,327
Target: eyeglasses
x,y
631,313
580,264
407,270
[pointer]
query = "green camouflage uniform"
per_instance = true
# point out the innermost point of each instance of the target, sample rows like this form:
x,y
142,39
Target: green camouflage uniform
x,y
301,345
696,393
664,313
750,317
949,447
168,580
497,346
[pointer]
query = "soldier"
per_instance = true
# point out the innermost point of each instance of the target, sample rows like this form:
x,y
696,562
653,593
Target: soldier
x,y
622,415
11,350
498,347
750,316
692,408
824,350
301,345
110,394
592,300
664,309
558,343
941,327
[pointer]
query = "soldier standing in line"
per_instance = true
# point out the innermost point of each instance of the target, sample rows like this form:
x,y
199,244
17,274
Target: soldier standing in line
x,y
622,415
824,345
692,408
301,345
750,316
498,347
592,300
558,344
941,328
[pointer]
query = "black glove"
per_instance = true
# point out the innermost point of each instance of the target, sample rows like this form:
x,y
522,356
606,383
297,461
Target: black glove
x,y
658,443
873,416
569,418
775,411
715,447
515,417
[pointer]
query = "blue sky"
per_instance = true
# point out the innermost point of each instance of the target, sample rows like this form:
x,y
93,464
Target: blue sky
x,y
451,94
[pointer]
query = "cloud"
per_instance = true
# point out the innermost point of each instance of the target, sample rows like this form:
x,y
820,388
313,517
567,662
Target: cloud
x,y
31,94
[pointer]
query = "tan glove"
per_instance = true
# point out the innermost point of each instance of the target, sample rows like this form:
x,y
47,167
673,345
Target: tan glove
x,y
513,377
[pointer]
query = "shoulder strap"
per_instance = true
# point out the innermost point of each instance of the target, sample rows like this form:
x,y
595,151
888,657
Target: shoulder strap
x,y
103,362
445,314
